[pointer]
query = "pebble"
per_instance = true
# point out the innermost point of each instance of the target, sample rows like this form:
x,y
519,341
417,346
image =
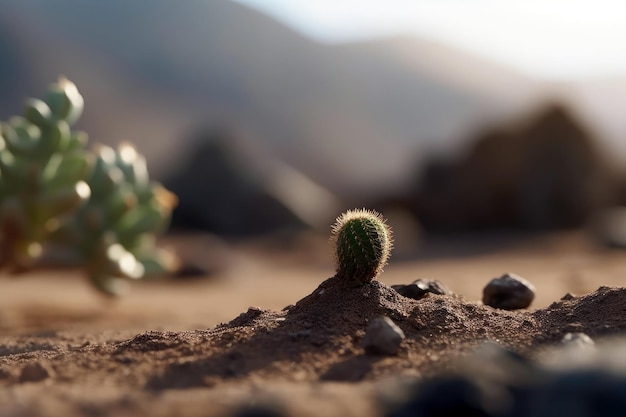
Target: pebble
x,y
413,291
578,340
35,372
509,292
382,336
419,288
433,286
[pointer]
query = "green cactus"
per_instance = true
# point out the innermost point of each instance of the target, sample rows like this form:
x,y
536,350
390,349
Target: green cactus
x,y
113,233
362,241
42,172
46,175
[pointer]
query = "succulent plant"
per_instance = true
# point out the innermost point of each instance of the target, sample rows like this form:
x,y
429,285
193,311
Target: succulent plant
x,y
98,209
42,172
362,241
113,234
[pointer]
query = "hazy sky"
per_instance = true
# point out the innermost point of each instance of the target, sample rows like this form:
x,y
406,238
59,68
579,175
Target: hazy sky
x,y
549,39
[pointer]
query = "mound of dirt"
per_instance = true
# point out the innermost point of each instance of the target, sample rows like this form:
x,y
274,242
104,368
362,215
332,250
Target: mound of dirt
x,y
315,342
319,338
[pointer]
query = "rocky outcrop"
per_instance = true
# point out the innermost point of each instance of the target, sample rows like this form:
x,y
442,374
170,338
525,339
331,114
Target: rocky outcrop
x,y
228,187
543,174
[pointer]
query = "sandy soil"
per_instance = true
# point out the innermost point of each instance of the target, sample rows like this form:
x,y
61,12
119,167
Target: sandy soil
x,y
192,347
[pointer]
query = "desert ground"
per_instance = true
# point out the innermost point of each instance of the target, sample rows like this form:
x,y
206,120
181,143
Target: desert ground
x,y
193,346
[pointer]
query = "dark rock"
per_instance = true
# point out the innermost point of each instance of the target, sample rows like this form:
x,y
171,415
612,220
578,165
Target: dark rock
x,y
448,396
568,296
420,287
413,291
509,292
247,318
483,386
432,286
35,372
577,393
543,173
500,383
382,336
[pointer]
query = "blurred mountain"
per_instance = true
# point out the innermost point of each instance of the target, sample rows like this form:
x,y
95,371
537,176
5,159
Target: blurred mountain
x,y
349,116
229,187
541,172
600,103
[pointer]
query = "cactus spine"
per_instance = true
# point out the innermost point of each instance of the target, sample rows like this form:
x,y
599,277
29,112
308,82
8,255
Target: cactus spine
x,y
362,241
46,175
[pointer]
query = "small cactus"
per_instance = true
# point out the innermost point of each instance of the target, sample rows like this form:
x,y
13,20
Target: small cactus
x,y
362,241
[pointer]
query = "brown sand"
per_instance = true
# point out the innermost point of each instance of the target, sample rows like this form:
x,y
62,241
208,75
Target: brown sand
x,y
161,350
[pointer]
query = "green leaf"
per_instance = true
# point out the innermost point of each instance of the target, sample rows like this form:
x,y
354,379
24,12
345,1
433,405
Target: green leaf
x,y
78,140
59,138
63,201
65,170
65,101
37,112
159,262
19,140
139,221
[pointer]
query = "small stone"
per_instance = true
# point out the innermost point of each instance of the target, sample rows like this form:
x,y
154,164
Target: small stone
x,y
35,372
509,292
382,336
420,287
413,291
433,286
578,340
568,296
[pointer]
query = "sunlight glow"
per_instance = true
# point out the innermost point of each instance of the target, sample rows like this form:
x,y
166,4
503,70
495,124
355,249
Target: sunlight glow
x,y
557,39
